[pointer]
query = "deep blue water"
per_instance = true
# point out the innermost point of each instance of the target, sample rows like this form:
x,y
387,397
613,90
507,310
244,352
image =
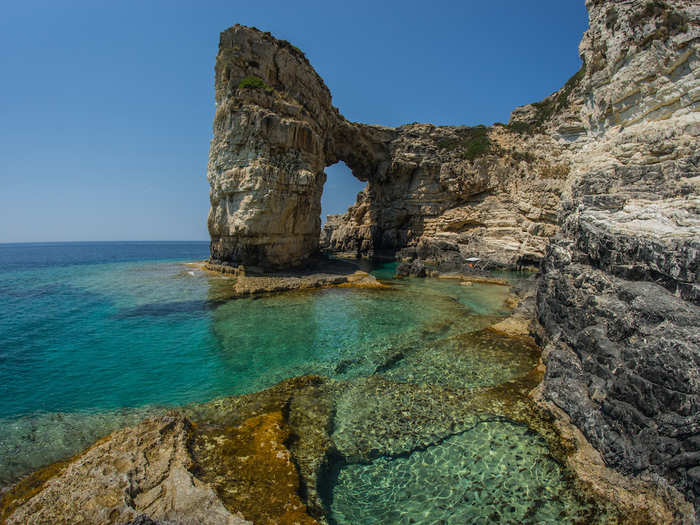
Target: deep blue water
x,y
67,341
27,256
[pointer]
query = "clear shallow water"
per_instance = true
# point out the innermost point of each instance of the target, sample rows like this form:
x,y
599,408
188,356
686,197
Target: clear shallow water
x,y
495,472
97,336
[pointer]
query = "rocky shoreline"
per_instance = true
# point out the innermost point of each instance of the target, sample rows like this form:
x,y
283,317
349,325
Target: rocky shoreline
x,y
199,464
325,273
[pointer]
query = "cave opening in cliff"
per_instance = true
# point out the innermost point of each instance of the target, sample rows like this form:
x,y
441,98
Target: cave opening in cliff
x,y
340,191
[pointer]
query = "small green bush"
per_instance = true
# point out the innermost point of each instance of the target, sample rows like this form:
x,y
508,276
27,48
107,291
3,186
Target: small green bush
x,y
611,17
521,127
253,82
523,156
472,142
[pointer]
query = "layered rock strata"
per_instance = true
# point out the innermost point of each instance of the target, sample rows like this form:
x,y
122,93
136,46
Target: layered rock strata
x,y
618,297
463,191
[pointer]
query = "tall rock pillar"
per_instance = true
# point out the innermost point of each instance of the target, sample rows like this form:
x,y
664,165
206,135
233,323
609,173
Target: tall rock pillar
x,y
266,159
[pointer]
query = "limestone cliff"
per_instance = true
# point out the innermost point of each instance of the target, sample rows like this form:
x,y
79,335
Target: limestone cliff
x,y
619,293
267,155
491,192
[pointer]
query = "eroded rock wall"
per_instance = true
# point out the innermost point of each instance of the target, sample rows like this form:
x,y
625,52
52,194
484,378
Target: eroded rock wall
x,y
456,192
618,297
442,202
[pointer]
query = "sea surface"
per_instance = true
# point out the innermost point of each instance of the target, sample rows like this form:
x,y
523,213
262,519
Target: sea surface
x,y
94,336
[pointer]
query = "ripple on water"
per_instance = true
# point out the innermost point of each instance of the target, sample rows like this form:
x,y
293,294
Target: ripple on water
x,y
497,472
466,360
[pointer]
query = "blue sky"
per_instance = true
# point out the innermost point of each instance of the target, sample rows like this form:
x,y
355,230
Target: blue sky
x,y
106,107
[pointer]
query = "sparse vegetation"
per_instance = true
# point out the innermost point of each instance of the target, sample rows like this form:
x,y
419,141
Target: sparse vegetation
x,y
520,156
549,106
521,127
253,82
611,17
471,142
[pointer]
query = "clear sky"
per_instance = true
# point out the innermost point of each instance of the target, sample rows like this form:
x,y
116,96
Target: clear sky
x,y
106,107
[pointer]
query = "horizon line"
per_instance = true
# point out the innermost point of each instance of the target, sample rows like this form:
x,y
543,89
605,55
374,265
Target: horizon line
x,y
120,241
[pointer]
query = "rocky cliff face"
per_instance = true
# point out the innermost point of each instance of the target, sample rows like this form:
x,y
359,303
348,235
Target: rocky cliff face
x,y
451,193
267,155
456,192
619,294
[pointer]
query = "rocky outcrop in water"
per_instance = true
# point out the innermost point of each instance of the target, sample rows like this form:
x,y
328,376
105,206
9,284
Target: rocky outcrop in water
x,y
453,191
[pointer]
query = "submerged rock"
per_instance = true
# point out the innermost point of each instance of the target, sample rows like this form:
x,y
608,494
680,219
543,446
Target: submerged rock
x,y
251,469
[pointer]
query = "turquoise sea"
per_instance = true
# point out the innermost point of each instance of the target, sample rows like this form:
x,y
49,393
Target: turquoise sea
x,y
94,336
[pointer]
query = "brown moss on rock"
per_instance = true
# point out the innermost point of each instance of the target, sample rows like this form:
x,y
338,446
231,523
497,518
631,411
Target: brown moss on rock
x,y
252,471
27,488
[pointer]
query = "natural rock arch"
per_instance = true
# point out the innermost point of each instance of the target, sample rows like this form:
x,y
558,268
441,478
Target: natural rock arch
x,y
275,131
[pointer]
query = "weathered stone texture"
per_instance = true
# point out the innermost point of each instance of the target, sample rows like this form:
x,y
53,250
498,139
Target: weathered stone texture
x,y
138,470
618,297
266,160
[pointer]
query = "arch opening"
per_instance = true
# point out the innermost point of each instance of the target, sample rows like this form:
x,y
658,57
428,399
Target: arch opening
x,y
340,190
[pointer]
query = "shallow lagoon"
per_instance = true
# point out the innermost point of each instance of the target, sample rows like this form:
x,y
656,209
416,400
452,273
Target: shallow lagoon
x,y
88,346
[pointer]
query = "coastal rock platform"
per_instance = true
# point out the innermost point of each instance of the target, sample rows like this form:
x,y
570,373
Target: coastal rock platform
x,y
325,273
